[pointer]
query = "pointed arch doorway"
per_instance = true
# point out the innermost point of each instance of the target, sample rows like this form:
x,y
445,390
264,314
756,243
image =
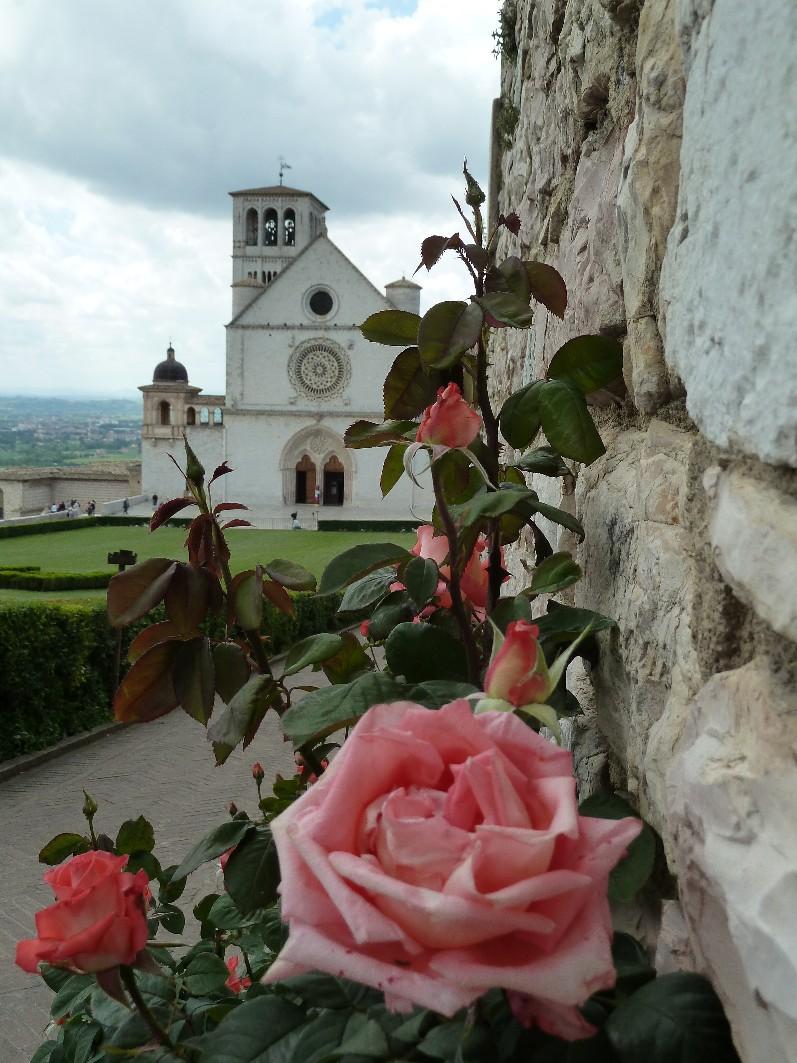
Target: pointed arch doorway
x,y
305,482
334,490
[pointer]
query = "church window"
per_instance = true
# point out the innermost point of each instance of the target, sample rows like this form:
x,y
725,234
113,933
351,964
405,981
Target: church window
x,y
321,302
204,415
217,415
289,227
251,226
190,415
270,227
165,413
319,370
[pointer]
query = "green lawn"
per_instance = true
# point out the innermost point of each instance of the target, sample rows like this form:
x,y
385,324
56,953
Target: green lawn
x,y
87,551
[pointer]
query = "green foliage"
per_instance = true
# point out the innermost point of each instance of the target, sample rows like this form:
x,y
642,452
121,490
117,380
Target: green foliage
x,y
506,119
636,867
33,579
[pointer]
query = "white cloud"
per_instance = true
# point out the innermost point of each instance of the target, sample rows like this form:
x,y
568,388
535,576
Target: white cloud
x,y
124,126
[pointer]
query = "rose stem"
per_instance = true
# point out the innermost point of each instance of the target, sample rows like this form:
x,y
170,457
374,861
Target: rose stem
x,y
160,1035
457,605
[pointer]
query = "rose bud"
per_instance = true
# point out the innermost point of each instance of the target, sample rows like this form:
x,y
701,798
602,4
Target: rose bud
x,y
449,421
518,673
257,772
234,983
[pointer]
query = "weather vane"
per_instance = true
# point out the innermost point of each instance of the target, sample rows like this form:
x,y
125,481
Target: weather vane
x,y
283,167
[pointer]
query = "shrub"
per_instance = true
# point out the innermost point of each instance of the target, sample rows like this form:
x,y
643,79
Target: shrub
x,y
69,649
28,578
46,527
369,525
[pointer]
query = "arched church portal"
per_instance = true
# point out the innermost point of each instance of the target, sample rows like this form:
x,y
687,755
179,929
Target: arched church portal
x,y
315,457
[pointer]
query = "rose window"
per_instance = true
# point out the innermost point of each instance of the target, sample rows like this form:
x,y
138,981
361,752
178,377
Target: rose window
x,y
319,370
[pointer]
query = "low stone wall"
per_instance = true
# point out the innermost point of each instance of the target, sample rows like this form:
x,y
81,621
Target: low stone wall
x,y
649,149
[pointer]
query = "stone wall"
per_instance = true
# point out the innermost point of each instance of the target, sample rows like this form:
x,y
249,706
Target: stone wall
x,y
650,147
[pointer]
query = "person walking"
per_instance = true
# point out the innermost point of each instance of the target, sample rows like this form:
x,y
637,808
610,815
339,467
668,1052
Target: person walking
x,y
125,507
295,525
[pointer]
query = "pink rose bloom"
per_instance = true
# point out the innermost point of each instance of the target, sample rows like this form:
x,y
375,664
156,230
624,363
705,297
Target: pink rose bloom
x,y
98,921
442,854
430,545
234,983
513,674
449,421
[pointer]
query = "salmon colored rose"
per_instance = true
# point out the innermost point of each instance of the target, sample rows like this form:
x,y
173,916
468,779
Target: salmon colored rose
x,y
449,421
99,918
517,673
442,854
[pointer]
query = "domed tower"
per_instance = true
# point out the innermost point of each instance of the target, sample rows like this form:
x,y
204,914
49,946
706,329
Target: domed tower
x,y
404,295
168,400
270,227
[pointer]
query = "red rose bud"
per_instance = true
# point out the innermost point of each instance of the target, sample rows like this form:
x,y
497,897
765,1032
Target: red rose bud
x,y
232,809
257,771
518,673
449,421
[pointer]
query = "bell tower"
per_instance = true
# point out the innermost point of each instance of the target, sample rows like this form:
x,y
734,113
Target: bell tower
x,y
270,227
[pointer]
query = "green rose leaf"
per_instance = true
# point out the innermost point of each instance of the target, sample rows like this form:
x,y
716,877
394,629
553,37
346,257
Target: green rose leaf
x,y
320,1037
446,331
408,388
392,610
509,609
393,468
258,1030
558,516
588,362
636,867
544,460
353,564
368,1041
420,576
187,598
491,504
520,416
135,591
61,846
135,836
290,574
631,963
206,973
567,422
331,709
194,678
252,874
230,669
147,690
312,650
394,328
367,591
506,308
435,693
554,574
421,652
246,596
565,623
365,434
242,716
211,847
350,661
676,1017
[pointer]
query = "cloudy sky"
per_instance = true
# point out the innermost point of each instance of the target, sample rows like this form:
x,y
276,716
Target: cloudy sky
x,y
124,125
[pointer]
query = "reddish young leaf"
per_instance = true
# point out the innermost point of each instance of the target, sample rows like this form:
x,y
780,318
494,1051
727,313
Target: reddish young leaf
x,y
279,597
547,286
220,470
188,598
168,509
147,691
462,215
433,247
511,221
151,636
134,592
222,507
236,524
193,678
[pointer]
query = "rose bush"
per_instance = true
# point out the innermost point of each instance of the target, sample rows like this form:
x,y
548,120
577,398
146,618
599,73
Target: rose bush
x,y
98,921
442,854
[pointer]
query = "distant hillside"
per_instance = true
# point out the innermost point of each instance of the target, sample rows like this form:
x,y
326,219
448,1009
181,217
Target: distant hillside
x,y
40,431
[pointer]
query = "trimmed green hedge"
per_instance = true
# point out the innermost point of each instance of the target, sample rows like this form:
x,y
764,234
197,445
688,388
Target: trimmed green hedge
x,y
45,527
33,579
369,525
57,661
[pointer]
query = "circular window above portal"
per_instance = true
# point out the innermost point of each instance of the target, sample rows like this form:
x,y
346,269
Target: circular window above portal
x,y
320,302
319,370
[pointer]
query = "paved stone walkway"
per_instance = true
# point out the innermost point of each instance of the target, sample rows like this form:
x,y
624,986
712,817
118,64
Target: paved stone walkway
x,y
163,770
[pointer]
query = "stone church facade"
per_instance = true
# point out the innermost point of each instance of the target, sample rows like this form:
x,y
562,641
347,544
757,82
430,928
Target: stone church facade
x,y
298,373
